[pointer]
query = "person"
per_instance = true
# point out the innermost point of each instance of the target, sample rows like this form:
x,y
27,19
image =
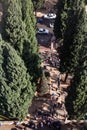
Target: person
x,y
48,122
54,105
44,67
41,124
31,124
52,111
16,123
23,128
56,124
36,127
0,123
58,82
53,96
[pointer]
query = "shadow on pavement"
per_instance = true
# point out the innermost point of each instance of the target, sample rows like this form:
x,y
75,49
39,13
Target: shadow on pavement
x,y
44,39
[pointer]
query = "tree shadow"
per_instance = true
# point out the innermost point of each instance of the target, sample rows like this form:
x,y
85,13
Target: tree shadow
x,y
44,39
13,129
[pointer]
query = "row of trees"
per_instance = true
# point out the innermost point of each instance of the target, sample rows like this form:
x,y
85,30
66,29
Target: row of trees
x,y
19,62
19,29
70,25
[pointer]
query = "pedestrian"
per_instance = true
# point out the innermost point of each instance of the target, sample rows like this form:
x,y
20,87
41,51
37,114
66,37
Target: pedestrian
x,y
53,95
54,105
41,124
58,82
36,127
16,123
0,123
53,112
23,128
48,122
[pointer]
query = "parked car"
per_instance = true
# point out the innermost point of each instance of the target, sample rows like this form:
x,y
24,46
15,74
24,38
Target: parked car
x,y
50,16
42,31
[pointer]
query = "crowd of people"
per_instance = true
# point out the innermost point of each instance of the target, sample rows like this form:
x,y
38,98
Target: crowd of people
x,y
43,119
46,118
51,59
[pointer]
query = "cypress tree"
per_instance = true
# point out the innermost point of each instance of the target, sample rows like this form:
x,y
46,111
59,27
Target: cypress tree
x,y
30,22
15,87
28,14
14,28
76,101
31,56
18,30
73,37
61,19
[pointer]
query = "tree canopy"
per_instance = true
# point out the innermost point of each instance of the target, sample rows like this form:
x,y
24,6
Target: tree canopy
x,y
30,53
20,32
74,36
76,101
15,87
61,19
13,26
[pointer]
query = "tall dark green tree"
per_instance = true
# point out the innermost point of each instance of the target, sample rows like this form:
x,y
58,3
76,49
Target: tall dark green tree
x,y
19,30
31,57
13,26
28,14
16,91
30,22
73,37
61,19
76,101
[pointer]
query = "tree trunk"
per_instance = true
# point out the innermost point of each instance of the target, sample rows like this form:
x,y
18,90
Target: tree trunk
x,y
65,77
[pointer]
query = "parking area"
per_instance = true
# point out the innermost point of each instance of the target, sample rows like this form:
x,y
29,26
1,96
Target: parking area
x,y
45,26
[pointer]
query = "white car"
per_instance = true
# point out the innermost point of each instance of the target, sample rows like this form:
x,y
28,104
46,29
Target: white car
x,y
42,31
50,16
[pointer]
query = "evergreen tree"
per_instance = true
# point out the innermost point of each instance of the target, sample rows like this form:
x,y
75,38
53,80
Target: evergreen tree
x,y
28,14
30,22
73,37
76,101
61,19
15,87
19,30
31,56
14,28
